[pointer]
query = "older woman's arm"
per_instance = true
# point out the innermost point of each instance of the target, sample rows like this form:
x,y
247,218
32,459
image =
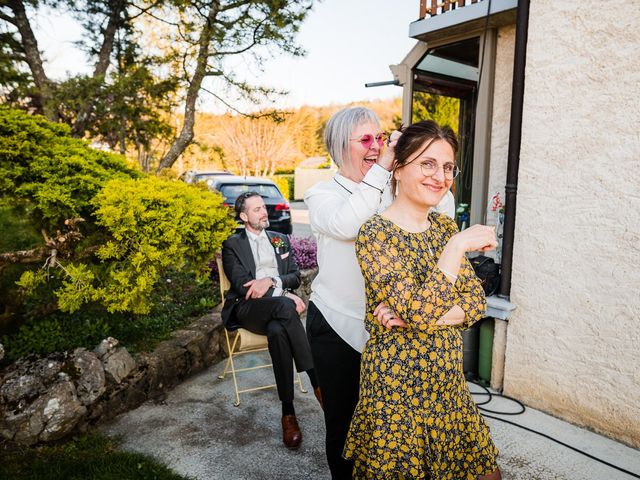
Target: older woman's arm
x,y
332,215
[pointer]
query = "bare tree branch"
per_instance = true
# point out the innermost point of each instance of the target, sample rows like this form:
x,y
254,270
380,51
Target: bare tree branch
x,y
8,19
145,10
60,242
231,6
271,113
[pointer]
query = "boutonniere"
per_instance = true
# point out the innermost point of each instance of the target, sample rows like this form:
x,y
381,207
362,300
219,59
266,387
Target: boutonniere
x,y
279,244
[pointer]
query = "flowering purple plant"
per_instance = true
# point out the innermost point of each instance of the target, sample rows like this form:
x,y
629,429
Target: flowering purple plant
x,y
304,251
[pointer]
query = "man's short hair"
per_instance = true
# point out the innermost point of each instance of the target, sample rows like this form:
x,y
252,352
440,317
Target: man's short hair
x,y
242,199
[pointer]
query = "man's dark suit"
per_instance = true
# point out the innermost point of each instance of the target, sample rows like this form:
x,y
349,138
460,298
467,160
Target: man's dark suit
x,y
275,317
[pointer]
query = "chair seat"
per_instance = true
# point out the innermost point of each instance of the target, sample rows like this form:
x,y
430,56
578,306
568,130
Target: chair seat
x,y
250,341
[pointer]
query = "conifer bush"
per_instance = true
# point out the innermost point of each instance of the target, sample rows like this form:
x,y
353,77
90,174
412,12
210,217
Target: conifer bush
x,y
109,236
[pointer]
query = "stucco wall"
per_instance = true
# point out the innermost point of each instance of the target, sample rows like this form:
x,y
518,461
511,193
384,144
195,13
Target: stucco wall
x,y
573,345
501,112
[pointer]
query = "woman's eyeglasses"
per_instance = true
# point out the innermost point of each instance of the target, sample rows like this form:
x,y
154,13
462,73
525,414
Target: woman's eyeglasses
x,y
430,167
367,140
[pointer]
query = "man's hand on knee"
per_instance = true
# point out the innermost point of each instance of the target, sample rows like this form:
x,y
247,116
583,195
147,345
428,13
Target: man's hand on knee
x,y
257,288
300,306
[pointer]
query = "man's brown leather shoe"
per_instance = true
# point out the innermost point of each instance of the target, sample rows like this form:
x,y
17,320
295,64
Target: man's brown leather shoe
x,y
318,394
291,434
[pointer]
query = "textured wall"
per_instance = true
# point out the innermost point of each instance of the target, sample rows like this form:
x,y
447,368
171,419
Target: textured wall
x,y
573,344
501,111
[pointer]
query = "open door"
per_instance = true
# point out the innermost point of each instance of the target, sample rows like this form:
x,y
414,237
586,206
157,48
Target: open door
x,y
445,90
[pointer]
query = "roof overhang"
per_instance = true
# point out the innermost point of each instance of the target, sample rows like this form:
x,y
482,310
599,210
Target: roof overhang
x,y
465,19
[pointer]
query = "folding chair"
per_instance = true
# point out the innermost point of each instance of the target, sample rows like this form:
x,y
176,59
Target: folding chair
x,y
244,342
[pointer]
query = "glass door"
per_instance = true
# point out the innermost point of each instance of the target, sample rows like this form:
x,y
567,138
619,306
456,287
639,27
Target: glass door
x,y
445,91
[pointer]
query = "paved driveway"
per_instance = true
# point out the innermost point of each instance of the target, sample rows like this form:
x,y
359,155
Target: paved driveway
x,y
300,218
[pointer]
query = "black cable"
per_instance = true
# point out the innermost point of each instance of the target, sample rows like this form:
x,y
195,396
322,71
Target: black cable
x,y
566,445
523,408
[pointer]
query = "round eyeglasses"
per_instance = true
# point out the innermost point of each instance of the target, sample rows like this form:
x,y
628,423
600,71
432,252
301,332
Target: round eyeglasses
x,y
430,167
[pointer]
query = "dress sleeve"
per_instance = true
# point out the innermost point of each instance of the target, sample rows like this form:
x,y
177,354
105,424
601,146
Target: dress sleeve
x,y
420,305
469,294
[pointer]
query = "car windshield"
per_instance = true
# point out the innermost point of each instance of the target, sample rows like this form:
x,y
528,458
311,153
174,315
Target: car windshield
x,y
232,191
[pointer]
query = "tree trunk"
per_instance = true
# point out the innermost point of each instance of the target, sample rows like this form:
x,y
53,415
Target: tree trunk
x,y
100,70
186,134
123,134
34,60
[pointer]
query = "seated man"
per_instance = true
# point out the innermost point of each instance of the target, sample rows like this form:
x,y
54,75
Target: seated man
x,y
262,270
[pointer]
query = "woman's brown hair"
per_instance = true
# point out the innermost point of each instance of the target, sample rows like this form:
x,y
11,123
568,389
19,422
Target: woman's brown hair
x,y
413,139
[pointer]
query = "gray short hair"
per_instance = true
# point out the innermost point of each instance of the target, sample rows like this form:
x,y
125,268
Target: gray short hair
x,y
339,128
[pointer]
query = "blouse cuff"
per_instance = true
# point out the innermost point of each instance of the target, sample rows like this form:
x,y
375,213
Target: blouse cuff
x,y
377,177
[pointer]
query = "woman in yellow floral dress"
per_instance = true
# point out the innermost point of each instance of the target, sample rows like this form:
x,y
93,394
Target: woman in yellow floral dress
x,y
415,418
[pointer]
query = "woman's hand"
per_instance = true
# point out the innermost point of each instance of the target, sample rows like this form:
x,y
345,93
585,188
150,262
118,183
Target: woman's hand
x,y
386,158
387,317
300,306
477,238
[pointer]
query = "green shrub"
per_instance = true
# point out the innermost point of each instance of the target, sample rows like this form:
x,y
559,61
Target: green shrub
x,y
285,184
53,175
176,299
112,234
154,226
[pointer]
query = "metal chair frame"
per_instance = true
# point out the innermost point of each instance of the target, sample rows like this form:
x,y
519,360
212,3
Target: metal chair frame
x,y
244,342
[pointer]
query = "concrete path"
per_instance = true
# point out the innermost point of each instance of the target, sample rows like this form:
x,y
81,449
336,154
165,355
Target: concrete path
x,y
199,433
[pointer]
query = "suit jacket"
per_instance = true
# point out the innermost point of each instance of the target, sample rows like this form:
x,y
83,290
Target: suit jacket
x,y
240,268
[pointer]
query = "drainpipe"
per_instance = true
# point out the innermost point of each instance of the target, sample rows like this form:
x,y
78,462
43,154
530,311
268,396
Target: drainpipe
x,y
515,137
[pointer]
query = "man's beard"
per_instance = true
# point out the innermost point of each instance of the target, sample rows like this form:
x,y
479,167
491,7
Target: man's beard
x,y
260,225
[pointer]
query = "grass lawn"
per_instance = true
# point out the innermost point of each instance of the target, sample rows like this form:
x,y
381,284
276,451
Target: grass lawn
x,y
88,457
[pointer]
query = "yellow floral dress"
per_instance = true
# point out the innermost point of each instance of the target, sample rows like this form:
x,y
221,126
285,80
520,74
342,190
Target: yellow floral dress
x,y
415,418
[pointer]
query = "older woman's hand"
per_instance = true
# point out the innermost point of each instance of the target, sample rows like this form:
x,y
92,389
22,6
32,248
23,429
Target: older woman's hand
x,y
386,158
387,317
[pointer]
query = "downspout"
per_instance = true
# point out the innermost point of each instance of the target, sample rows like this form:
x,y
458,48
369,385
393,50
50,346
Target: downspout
x,y
515,138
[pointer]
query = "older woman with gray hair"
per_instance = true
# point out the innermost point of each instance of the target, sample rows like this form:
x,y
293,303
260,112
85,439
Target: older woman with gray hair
x,y
335,318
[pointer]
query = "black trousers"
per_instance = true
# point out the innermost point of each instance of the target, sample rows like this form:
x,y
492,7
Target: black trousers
x,y
276,317
337,367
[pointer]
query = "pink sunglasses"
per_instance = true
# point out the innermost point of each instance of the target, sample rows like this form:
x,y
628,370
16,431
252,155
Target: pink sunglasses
x,y
367,140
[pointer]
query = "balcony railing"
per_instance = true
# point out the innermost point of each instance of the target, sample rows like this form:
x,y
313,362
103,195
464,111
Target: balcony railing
x,y
437,7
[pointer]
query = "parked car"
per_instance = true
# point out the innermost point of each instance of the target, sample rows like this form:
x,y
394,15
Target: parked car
x,y
231,186
194,176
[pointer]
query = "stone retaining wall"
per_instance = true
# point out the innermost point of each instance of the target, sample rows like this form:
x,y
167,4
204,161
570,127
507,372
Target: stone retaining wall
x,y
46,399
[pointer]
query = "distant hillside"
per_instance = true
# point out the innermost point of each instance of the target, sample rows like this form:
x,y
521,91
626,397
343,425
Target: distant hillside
x,y
263,146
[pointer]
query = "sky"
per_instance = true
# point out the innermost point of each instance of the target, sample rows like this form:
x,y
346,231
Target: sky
x,y
348,43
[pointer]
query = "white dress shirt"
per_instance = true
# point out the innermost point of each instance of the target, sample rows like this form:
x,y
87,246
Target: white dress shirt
x,y
337,210
264,257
